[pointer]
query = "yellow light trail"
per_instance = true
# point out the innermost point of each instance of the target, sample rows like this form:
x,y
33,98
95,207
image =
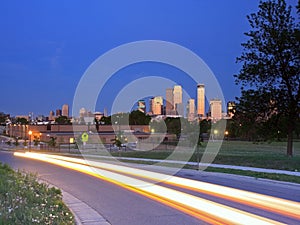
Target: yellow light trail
x,y
203,209
269,203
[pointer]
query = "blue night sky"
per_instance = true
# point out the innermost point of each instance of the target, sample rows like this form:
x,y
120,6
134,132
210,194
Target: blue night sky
x,y
46,46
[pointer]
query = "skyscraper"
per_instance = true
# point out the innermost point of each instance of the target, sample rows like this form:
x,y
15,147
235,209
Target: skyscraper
x,y
201,100
51,116
142,106
82,112
191,109
169,101
157,105
58,112
65,110
215,109
177,99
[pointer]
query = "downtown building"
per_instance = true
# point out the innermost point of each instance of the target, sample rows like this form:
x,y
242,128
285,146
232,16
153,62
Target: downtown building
x,y
142,106
177,100
169,102
65,110
190,109
156,105
201,100
215,108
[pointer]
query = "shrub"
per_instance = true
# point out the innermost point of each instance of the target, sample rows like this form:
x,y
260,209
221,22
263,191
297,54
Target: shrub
x,y
23,200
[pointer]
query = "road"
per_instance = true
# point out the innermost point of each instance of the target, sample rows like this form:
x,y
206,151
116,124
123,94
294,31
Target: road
x,y
123,204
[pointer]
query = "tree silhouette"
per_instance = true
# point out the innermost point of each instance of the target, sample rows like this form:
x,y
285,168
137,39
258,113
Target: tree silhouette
x,y
270,64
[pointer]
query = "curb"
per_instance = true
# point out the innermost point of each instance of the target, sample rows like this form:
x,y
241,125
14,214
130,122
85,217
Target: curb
x,y
84,214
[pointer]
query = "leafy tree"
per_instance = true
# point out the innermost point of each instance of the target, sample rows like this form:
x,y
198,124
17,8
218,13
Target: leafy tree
x,y
63,120
3,117
16,143
173,126
138,118
105,120
270,67
36,140
22,121
205,126
52,142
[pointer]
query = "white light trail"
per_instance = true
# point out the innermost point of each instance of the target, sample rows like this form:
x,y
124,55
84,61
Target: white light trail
x,y
201,208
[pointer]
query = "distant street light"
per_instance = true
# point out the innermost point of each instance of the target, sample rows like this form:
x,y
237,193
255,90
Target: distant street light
x,y
215,134
226,134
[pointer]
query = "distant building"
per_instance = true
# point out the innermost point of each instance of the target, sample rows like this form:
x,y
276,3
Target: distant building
x,y
65,110
231,109
82,113
105,112
22,117
201,100
169,102
156,105
215,109
142,106
58,112
191,109
51,116
177,100
41,118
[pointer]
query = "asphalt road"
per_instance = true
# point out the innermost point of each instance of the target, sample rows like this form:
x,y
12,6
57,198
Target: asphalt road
x,y
123,207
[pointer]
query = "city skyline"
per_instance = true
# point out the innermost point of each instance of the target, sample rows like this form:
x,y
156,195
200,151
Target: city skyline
x,y
170,105
44,58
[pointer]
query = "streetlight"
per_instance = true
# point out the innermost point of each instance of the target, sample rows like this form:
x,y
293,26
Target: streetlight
x,y
29,133
215,134
226,134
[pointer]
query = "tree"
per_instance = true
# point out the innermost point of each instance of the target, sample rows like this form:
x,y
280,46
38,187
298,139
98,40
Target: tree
x,y
138,118
270,62
62,120
52,142
22,121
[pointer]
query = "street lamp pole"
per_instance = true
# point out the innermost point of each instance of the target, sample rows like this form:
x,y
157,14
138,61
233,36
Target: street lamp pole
x,y
29,133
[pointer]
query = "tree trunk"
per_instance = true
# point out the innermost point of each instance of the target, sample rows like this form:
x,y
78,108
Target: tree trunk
x,y
289,150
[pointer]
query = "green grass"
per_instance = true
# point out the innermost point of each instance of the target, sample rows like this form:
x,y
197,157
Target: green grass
x,y
271,176
262,155
23,200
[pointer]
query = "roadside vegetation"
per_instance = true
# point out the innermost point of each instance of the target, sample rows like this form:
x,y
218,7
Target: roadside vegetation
x,y
23,200
239,153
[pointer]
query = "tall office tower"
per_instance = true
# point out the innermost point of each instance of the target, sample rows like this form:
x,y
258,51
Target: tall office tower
x,y
142,106
65,110
157,105
169,101
58,112
177,99
51,116
82,112
215,109
191,109
231,108
105,112
201,100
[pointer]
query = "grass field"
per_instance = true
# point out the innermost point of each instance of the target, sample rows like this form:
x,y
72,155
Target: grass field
x,y
262,155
